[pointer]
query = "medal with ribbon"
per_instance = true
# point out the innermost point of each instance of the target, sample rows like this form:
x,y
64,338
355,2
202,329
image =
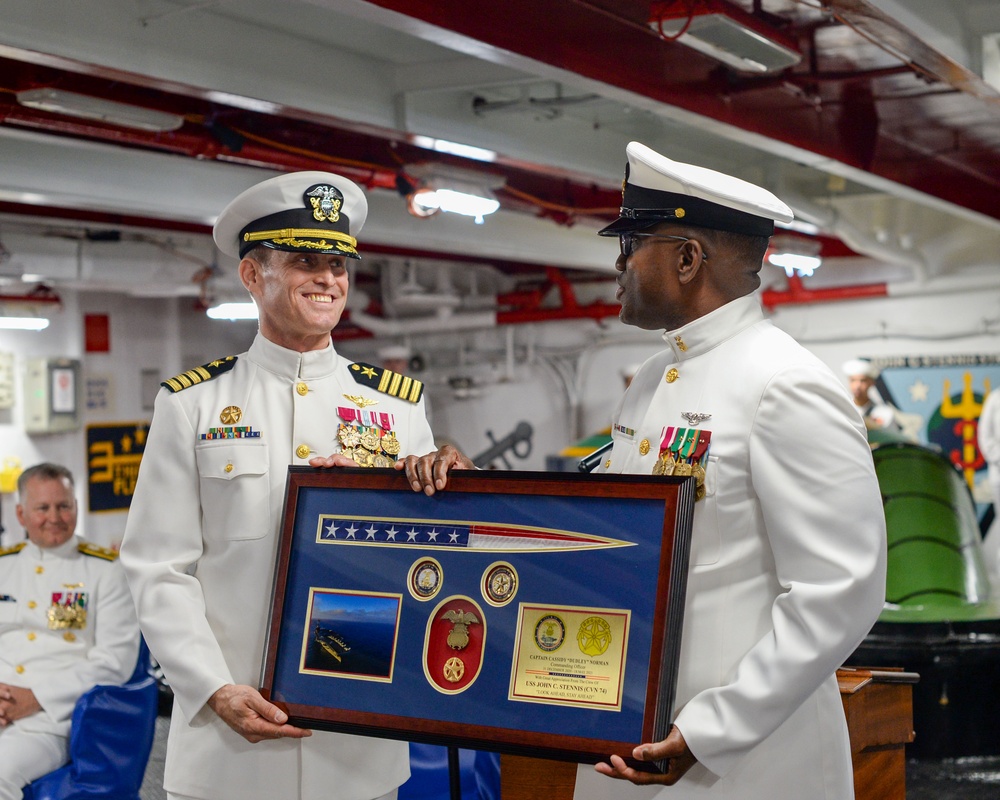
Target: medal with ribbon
x,y
684,452
367,438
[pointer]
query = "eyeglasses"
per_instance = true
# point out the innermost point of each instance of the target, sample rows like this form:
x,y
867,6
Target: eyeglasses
x,y
627,240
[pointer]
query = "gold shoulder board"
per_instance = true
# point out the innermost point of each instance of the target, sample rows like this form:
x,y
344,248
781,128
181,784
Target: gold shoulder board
x,y
387,381
90,549
15,548
199,374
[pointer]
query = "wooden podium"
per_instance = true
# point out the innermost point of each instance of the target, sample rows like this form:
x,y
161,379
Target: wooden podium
x,y
878,704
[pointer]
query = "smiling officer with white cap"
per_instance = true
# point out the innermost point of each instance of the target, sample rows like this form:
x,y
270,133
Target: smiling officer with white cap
x,y
788,542
202,534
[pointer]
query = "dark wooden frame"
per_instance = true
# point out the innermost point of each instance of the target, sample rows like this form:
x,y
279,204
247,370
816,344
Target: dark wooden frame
x,y
677,496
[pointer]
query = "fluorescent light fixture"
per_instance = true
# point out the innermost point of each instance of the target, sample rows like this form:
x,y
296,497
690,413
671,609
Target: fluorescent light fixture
x,y
469,205
454,148
24,323
795,262
442,187
795,255
233,311
727,34
60,101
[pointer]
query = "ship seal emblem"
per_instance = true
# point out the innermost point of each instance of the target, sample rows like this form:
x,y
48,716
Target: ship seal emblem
x,y
550,632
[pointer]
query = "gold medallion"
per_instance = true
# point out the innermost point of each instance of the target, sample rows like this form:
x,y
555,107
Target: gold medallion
x,y
454,669
370,439
391,444
664,464
683,469
382,461
231,415
350,437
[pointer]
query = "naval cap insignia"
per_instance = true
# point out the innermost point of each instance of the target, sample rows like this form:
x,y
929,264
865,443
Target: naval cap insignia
x,y
325,202
695,417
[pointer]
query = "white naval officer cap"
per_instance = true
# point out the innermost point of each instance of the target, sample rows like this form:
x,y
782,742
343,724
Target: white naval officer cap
x,y
859,366
394,352
312,212
657,189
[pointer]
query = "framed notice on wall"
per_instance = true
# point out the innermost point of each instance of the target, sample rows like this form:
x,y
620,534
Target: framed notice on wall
x,y
532,613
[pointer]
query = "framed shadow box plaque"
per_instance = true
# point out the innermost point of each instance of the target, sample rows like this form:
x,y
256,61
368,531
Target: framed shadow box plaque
x,y
532,613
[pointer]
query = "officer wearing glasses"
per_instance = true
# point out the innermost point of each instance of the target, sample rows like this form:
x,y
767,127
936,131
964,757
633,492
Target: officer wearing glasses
x,y
787,566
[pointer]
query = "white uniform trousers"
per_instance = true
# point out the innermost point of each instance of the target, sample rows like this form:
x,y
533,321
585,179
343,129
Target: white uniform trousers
x,y
388,796
25,756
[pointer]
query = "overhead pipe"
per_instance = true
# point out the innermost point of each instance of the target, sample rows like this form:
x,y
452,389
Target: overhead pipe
x,y
796,293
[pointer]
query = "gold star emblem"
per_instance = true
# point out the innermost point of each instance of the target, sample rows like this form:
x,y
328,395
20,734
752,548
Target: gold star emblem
x,y
368,372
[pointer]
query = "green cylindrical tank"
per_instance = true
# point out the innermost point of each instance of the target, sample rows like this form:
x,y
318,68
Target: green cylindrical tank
x,y
936,571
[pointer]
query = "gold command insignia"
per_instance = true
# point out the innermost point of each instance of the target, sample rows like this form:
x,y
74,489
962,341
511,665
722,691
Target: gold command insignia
x,y
231,415
454,669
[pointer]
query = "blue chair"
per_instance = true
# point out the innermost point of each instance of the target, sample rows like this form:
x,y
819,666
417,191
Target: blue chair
x,y
479,774
110,739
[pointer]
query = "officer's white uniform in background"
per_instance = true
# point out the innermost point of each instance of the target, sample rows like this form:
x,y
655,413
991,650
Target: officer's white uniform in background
x,y
200,549
787,560
59,660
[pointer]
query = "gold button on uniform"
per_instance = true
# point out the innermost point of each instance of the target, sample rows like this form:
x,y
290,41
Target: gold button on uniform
x,y
302,388
19,669
644,447
607,464
32,604
39,569
672,375
31,636
302,451
69,636
228,468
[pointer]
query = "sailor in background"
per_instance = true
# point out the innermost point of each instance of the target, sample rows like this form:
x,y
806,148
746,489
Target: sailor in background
x,y
203,528
787,567
66,624
861,376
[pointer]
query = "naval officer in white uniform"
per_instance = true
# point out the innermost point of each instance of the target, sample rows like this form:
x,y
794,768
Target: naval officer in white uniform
x,y
203,529
787,568
66,624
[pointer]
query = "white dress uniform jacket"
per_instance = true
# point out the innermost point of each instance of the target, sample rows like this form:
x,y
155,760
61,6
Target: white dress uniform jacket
x,y
199,551
59,664
787,569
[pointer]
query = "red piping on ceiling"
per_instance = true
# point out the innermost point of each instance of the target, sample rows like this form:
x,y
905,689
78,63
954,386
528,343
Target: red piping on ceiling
x,y
796,293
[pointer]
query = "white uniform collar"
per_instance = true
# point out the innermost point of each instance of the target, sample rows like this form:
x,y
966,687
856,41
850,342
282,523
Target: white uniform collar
x,y
711,330
310,365
66,550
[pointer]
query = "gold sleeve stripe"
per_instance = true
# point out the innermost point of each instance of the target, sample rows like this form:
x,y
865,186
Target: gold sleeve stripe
x,y
415,391
404,387
383,385
394,384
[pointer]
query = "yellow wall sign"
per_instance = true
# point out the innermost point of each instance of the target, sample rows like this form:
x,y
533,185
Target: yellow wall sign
x,y
113,456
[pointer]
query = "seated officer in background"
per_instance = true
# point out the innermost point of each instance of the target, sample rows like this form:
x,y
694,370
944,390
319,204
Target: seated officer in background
x,y
203,529
787,564
66,624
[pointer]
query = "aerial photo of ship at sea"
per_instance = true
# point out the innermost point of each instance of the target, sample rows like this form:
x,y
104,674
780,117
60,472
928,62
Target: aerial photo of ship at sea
x,y
351,634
